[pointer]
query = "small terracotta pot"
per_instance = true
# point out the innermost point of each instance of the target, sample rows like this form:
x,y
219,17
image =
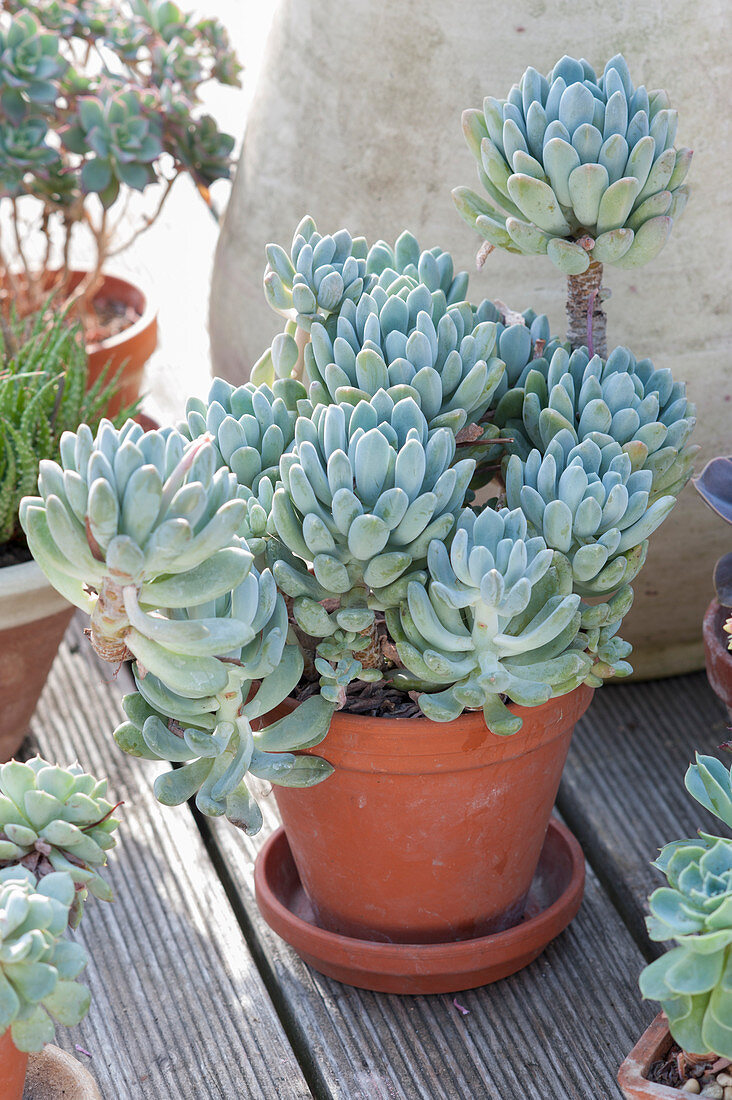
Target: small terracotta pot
x,y
654,1044
427,832
129,349
717,656
13,1064
33,620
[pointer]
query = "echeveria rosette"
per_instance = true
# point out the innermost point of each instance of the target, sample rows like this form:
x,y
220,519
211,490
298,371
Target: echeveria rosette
x,y
404,339
497,619
621,400
38,967
212,736
434,268
586,501
30,67
57,819
123,134
365,489
23,149
202,149
580,167
130,522
693,981
319,274
251,428
711,785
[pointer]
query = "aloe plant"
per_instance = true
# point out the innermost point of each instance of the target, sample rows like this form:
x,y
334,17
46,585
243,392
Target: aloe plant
x,y
43,392
317,526
55,829
580,168
693,981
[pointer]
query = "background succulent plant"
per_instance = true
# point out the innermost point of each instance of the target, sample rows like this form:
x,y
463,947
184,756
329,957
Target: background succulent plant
x,y
693,981
38,967
127,119
57,819
43,392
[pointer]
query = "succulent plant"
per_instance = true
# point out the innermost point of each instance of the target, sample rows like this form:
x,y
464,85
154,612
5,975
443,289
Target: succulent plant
x,y
497,619
620,400
405,340
714,486
43,392
693,981
365,490
320,273
38,967
30,67
580,167
128,116
56,819
434,268
588,502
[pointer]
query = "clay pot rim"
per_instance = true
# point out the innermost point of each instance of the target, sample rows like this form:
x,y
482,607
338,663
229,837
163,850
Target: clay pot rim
x,y
141,292
26,595
514,940
655,1042
367,736
714,636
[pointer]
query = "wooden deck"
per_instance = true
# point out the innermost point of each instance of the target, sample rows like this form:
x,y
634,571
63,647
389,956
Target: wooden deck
x,y
194,998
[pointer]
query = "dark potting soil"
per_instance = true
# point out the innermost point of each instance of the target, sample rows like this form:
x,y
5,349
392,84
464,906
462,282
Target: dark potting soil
x,y
379,700
14,553
109,318
666,1071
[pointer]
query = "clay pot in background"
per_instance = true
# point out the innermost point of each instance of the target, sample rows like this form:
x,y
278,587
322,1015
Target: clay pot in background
x,y
718,656
33,620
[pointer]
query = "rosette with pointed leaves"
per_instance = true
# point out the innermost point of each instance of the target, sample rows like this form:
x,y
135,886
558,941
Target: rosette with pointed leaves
x,y
38,967
578,167
711,785
57,819
434,268
498,618
320,273
365,489
404,339
212,735
23,148
620,399
586,501
133,521
693,981
30,67
124,134
251,427
201,148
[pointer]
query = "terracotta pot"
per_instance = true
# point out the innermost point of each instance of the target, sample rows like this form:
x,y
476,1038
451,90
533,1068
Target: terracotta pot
x,y
654,1044
55,1075
428,832
33,620
13,1065
717,656
129,349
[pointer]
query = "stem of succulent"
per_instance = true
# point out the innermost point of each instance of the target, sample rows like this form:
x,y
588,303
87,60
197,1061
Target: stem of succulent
x,y
109,624
370,656
585,314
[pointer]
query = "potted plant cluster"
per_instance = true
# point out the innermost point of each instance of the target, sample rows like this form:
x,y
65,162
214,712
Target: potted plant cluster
x,y
98,103
44,391
688,1047
56,828
385,575
714,485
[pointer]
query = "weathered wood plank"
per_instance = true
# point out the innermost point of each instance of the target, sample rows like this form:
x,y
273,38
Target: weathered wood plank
x,y
178,1006
623,791
556,1031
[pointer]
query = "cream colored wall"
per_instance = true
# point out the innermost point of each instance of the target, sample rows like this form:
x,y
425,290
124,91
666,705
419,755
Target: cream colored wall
x,y
356,120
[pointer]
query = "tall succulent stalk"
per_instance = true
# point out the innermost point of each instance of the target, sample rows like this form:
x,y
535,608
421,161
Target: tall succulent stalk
x,y
586,319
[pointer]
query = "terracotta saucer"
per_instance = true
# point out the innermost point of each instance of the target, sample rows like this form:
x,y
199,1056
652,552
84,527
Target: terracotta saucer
x,y
554,899
55,1075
